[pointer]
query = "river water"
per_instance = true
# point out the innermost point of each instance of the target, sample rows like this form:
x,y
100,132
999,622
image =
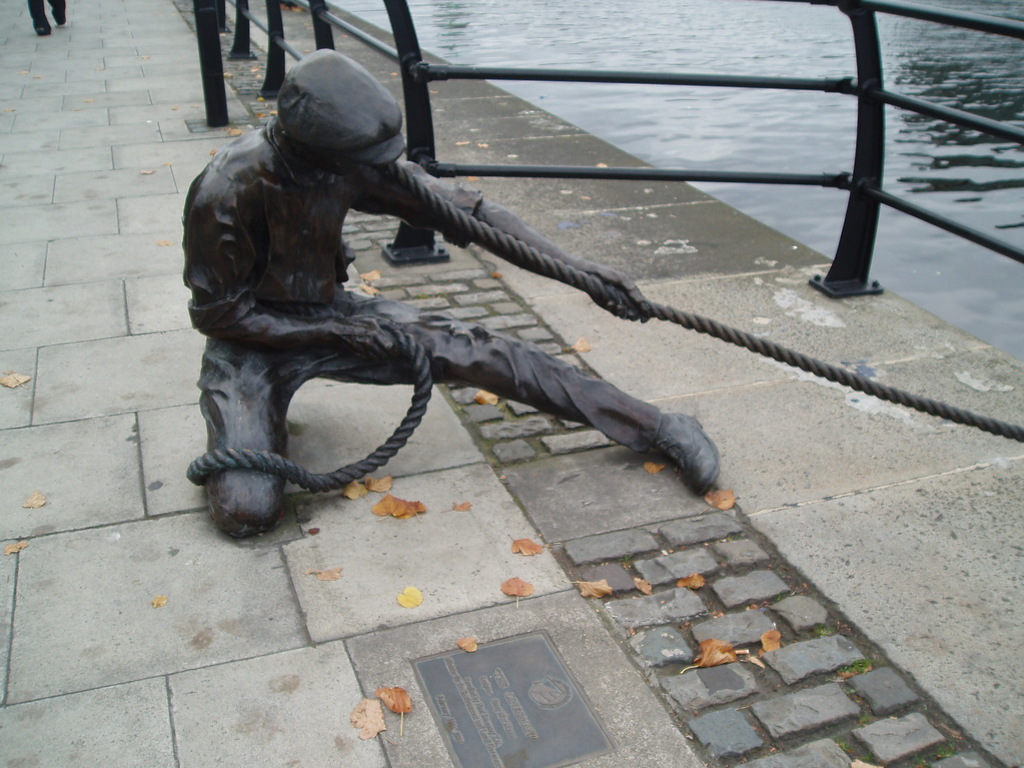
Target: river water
x,y
974,179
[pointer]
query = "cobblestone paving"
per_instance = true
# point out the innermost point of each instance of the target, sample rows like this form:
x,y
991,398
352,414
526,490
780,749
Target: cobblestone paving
x,y
826,697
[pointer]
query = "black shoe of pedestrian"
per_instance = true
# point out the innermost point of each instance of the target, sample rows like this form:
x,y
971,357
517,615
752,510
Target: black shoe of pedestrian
x,y
42,31
682,439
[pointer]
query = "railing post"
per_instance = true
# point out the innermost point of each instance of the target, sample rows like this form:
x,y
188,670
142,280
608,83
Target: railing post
x,y
322,35
241,47
413,246
275,53
848,275
222,16
210,64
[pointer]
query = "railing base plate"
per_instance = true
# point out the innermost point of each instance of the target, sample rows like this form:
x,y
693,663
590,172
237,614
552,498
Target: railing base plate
x,y
842,289
419,254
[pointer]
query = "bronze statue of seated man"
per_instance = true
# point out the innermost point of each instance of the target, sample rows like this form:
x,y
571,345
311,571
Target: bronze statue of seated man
x,y
266,263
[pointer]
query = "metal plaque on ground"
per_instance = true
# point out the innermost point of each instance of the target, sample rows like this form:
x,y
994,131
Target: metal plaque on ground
x,y
511,704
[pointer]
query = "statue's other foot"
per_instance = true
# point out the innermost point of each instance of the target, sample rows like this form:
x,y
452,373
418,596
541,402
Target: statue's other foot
x,y
682,439
244,502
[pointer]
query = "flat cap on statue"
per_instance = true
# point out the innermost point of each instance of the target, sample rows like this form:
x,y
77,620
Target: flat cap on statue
x,y
330,102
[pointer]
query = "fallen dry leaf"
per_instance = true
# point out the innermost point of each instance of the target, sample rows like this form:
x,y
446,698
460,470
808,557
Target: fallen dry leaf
x,y
34,501
468,644
457,143
234,131
653,467
313,531
369,277
369,290
396,699
594,588
164,243
722,499
483,397
368,716
463,507
755,660
330,574
643,585
693,581
526,547
11,549
714,652
482,145
516,587
354,490
497,275
396,507
159,601
11,379
581,345
410,597
380,484
147,172
861,764
770,641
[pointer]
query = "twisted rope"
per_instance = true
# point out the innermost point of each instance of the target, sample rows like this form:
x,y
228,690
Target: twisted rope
x,y
521,254
278,466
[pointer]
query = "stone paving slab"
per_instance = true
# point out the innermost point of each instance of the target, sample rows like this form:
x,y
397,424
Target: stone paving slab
x,y
26,164
8,569
123,725
157,303
114,257
122,183
79,219
27,190
642,731
160,215
88,379
23,264
897,737
458,560
16,402
804,710
964,538
87,470
582,494
224,602
289,708
94,311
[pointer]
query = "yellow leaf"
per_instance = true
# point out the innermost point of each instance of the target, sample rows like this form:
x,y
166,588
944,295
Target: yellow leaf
x,y
483,397
331,574
594,588
369,277
354,490
516,587
526,547
643,585
369,290
653,467
396,699
497,275
164,243
11,549
722,499
396,507
581,345
368,716
410,597
463,507
468,644
159,601
714,652
10,379
380,485
770,641
34,501
693,581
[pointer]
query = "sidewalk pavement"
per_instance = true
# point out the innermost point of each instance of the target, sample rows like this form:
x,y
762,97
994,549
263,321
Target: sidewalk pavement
x,y
872,537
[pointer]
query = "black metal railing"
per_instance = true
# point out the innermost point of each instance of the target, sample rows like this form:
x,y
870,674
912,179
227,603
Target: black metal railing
x,y
849,274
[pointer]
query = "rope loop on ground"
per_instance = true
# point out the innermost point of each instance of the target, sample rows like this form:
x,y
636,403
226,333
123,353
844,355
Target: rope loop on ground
x,y
518,252
275,464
